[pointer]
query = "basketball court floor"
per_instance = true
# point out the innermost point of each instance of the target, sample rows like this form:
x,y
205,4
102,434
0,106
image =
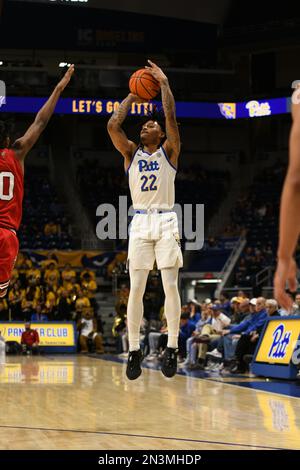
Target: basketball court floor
x,y
76,402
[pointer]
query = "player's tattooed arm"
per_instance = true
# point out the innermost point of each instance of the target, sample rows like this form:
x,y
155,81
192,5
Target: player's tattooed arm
x,y
172,143
114,127
23,145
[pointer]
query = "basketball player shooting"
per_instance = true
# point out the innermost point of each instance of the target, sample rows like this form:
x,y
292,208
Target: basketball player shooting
x,y
12,181
289,226
151,166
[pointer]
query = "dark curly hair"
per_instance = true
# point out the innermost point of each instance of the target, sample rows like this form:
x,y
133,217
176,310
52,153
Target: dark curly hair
x,y
156,115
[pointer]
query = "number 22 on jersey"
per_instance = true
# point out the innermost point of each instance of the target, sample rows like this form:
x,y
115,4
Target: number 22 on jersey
x,y
148,183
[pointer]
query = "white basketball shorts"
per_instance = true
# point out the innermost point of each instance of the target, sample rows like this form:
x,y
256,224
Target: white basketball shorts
x,y
154,237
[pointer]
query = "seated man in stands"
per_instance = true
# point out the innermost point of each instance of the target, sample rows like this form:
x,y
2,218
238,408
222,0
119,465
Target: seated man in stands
x,y
30,340
87,326
246,331
211,333
185,332
191,344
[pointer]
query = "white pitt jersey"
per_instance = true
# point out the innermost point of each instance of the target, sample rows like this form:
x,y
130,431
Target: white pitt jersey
x,y
152,180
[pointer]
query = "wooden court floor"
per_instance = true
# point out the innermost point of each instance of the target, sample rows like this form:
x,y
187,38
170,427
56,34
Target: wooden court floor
x,y
75,402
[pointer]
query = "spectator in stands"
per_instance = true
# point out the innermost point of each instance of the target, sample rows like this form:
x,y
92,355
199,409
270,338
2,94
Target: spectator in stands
x,y
244,309
87,326
297,305
30,340
33,273
68,273
225,304
39,314
235,306
52,277
64,307
123,294
82,303
15,301
186,329
154,337
87,271
241,294
50,303
211,334
191,344
119,329
52,228
272,308
195,311
250,345
72,287
51,259
246,330
30,298
89,286
226,346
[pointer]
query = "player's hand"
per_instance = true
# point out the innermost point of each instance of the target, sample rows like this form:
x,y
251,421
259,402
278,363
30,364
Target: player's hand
x,y
156,72
137,99
286,273
66,78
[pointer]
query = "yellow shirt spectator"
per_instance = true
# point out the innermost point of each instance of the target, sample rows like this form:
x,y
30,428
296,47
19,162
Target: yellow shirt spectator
x,y
90,287
68,273
52,276
51,228
31,296
47,262
3,305
50,299
88,271
82,302
33,272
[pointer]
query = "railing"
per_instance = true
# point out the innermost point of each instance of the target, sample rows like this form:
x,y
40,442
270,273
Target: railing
x,y
230,263
265,275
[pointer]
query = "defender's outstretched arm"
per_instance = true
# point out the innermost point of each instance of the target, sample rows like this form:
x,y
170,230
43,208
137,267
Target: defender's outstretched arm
x,y
25,143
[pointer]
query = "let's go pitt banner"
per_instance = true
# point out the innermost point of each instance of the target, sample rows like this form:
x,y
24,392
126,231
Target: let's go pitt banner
x,y
105,107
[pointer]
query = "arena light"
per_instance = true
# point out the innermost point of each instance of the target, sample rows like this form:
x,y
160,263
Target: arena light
x,y
1,63
210,281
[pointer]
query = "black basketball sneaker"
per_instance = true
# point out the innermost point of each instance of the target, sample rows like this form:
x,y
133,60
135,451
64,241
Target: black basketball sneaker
x,y
169,363
134,369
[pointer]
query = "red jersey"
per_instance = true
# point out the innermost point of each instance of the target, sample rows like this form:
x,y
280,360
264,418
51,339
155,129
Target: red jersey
x,y
29,337
11,190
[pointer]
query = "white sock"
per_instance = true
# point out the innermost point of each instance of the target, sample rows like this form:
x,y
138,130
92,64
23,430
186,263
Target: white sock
x,y
172,304
135,307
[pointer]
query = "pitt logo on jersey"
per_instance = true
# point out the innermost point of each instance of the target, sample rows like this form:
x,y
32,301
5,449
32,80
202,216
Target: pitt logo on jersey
x,y
145,166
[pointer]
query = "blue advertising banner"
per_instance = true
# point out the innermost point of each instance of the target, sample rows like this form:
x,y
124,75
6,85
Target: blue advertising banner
x,y
185,109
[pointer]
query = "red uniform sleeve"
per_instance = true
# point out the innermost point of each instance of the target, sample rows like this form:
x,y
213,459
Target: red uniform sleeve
x,y
22,338
36,338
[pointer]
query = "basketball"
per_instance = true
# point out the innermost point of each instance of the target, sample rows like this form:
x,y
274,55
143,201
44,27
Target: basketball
x,y
143,84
